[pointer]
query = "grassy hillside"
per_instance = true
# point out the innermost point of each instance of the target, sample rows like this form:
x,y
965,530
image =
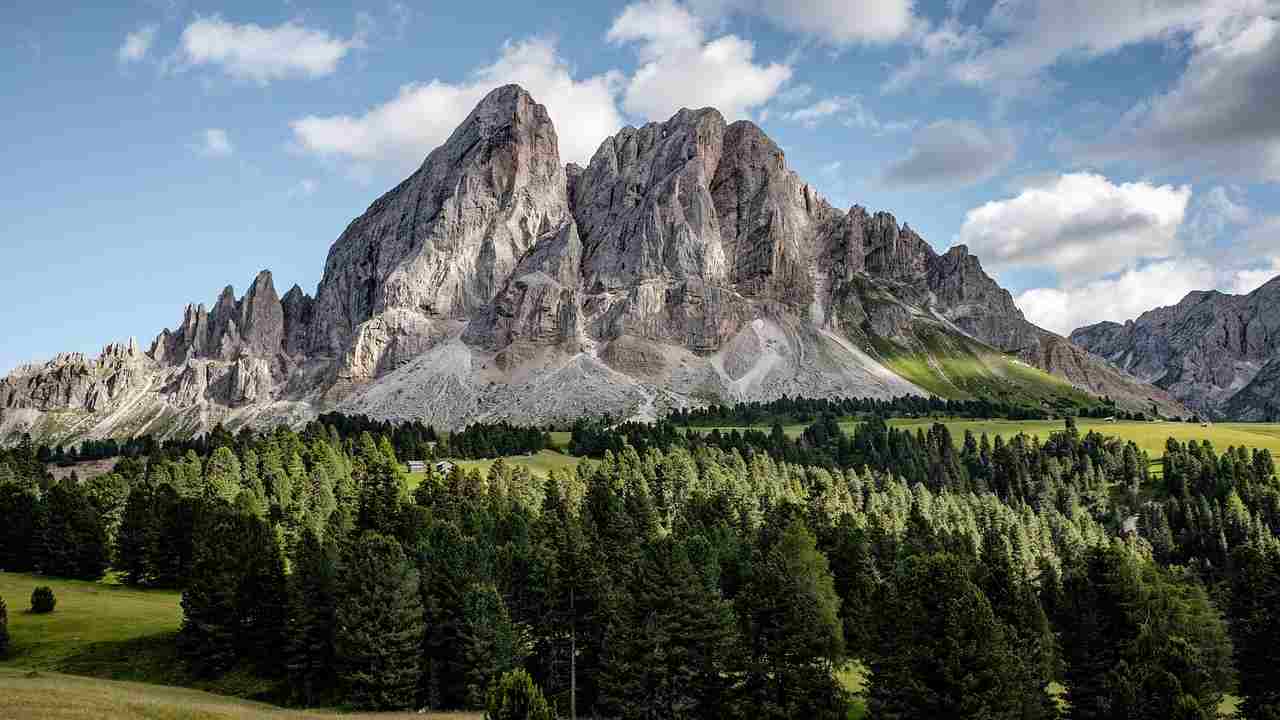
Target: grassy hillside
x,y
1149,436
119,644
540,464
956,367
88,616
49,696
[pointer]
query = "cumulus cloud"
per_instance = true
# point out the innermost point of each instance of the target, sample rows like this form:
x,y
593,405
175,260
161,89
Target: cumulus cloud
x,y
1221,116
833,22
1081,226
263,54
952,153
214,142
1118,298
1019,40
680,67
400,132
136,44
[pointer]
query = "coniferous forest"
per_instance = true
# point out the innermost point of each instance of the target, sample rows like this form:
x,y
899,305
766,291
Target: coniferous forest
x,y
693,575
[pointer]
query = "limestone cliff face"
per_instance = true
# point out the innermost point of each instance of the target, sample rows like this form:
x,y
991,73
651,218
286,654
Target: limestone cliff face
x,y
685,264
232,362
1214,352
439,246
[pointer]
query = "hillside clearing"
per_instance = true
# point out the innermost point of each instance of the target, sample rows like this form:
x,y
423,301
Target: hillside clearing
x,y
1149,436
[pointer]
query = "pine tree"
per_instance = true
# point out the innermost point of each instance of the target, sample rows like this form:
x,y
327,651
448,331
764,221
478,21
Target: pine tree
x,y
794,633
1140,642
946,654
1255,626
136,539
234,604
74,539
313,588
380,626
671,651
222,476
492,643
515,697
20,513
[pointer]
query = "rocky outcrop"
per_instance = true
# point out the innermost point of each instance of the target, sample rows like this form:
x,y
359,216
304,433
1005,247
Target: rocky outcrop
x,y
439,246
685,264
1209,350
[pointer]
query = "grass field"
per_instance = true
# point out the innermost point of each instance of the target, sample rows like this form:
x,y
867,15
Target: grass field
x,y
540,464
118,645
50,696
87,615
1148,435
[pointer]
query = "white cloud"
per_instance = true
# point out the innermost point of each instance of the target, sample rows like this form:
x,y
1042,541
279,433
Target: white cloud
x,y
1082,226
400,132
810,116
1246,281
952,153
214,142
1019,40
681,68
1118,298
136,44
262,54
1221,116
834,22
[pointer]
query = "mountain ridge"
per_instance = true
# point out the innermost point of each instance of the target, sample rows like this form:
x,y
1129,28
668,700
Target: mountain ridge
x,y
1217,353
685,264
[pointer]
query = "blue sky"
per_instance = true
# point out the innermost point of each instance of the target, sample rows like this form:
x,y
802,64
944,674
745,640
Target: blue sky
x,y
1101,157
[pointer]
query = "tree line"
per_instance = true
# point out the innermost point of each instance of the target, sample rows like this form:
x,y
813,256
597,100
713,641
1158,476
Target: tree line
x,y
693,575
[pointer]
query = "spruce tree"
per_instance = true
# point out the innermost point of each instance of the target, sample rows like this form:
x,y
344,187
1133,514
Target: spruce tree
x,y
1254,612
1140,642
670,653
234,604
313,589
514,696
794,631
380,627
946,654
492,643
20,512
136,539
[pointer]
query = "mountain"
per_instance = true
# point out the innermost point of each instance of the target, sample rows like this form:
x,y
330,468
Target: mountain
x,y
1219,354
685,264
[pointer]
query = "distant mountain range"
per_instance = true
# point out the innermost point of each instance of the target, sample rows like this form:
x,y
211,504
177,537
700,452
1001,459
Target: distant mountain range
x,y
686,264
1218,354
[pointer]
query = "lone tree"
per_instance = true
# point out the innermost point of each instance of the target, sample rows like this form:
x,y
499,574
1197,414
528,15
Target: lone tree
x,y
514,697
42,600
379,632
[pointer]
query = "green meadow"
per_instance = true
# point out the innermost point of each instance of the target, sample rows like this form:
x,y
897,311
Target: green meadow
x,y
541,464
1149,436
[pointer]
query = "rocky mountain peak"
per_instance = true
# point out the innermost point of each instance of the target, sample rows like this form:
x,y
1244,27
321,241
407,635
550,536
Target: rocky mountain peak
x,y
437,248
1211,350
686,263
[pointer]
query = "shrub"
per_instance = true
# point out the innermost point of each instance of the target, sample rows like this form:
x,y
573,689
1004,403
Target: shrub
x,y
514,697
4,630
42,600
